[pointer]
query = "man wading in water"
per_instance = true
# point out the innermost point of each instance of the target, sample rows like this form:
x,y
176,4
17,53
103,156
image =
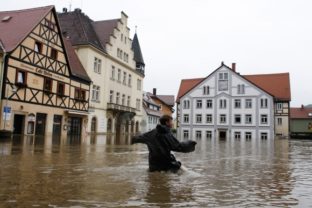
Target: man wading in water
x,y
160,142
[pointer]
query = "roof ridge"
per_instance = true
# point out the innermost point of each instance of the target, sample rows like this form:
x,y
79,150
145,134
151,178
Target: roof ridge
x,y
29,9
98,21
282,73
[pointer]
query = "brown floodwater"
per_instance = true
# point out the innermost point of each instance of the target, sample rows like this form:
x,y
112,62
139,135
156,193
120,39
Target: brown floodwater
x,y
108,172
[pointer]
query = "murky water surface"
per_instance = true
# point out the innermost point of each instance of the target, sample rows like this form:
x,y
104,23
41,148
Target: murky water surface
x,y
105,172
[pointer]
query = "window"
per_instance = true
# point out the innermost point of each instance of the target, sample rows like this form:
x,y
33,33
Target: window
x,y
222,118
198,134
237,103
119,75
198,118
113,73
118,52
139,84
123,99
95,93
247,135
128,101
121,37
264,119
186,118
38,47
248,103
209,103
53,54
237,135
60,88
222,103
21,77
47,86
208,134
97,65
209,118
138,104
117,97
248,119
80,94
129,80
186,104
206,90
111,96
279,106
279,121
241,89
185,134
264,103
124,81
223,81
264,135
199,104
237,118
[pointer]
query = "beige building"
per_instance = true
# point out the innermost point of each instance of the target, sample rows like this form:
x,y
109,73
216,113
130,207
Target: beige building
x,y
45,90
115,65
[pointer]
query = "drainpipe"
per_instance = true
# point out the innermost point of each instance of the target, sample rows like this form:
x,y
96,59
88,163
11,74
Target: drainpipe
x,y
2,67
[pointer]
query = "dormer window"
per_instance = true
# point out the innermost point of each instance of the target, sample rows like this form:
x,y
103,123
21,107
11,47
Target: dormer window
x,y
38,47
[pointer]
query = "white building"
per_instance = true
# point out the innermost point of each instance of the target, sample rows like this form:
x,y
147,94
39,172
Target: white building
x,y
151,114
226,104
115,65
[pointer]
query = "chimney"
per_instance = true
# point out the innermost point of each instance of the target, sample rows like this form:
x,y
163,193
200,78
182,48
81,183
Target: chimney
x,y
154,91
64,10
78,10
302,107
234,67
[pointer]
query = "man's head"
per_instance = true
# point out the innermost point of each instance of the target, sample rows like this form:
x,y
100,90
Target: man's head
x,y
166,120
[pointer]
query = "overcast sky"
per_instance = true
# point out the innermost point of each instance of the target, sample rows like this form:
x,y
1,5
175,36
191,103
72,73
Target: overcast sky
x,y
183,39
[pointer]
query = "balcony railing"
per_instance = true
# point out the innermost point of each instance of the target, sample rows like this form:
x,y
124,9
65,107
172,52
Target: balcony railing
x,y
117,107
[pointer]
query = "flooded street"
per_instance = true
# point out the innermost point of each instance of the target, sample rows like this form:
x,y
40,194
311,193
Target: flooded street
x,y
105,172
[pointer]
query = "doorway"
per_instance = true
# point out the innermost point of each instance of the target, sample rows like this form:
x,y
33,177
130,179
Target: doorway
x,y
18,125
40,124
57,127
74,125
93,125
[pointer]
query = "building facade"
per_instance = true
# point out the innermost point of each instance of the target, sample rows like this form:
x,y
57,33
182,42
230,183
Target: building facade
x,y
301,122
166,102
226,104
151,113
116,67
45,89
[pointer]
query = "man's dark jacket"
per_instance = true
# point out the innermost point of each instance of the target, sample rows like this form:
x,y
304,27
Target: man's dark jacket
x,y
160,142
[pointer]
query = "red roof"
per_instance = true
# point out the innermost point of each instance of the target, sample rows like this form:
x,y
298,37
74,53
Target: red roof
x,y
186,85
301,113
104,29
22,22
278,85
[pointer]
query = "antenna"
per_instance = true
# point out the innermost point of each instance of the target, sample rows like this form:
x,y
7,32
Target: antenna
x,y
70,5
136,28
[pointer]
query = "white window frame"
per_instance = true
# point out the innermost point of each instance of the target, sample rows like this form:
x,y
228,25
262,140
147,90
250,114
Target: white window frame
x,y
198,118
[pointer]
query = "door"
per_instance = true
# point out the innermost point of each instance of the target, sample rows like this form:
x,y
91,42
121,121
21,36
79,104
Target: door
x,y
93,125
18,125
74,124
57,127
222,135
41,124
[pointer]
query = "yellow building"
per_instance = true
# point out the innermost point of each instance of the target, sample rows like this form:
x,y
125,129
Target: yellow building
x,y
115,64
45,89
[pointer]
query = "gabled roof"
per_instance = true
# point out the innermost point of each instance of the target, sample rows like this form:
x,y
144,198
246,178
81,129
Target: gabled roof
x,y
22,22
138,57
166,99
79,28
75,65
301,113
104,29
277,85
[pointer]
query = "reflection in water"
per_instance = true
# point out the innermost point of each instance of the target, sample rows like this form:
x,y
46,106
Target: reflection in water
x,y
104,171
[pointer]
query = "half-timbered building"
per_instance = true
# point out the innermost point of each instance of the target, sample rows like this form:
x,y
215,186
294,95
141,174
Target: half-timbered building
x,y
45,89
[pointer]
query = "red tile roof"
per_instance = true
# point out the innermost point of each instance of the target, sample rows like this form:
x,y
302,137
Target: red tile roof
x,y
278,85
22,22
300,113
166,99
186,85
